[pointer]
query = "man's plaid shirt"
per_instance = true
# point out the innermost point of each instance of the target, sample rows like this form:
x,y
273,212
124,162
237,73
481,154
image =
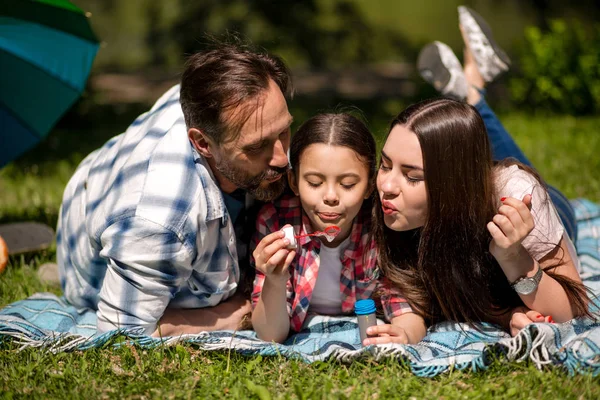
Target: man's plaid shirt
x,y
359,278
143,226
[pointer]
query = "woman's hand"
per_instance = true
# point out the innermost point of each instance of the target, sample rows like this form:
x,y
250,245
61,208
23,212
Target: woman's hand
x,y
509,227
523,316
387,333
408,328
272,258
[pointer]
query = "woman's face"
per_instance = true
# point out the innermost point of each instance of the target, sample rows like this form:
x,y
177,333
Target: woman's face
x,y
332,183
401,181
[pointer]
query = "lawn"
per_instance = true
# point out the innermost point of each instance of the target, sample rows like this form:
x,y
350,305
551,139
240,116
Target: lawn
x,y
566,151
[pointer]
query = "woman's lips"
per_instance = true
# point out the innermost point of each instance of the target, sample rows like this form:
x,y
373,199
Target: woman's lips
x,y
388,208
329,216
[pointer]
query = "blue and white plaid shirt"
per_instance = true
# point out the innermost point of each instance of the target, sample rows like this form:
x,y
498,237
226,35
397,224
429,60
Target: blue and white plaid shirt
x,y
143,226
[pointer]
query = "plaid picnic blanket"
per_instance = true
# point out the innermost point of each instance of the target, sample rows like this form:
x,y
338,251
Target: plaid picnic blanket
x,y
45,320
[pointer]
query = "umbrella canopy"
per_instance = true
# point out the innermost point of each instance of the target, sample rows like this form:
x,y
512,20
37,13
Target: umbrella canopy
x,y
46,52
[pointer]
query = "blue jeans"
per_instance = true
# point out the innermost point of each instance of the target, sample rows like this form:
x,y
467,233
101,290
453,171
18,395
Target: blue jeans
x,y
504,146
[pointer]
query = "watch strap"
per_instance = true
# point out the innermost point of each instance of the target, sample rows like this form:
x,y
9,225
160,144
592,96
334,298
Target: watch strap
x,y
537,277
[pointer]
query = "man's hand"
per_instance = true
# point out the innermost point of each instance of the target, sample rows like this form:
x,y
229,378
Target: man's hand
x,y
229,315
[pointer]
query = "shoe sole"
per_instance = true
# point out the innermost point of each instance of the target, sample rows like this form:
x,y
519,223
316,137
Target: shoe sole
x,y
435,64
432,69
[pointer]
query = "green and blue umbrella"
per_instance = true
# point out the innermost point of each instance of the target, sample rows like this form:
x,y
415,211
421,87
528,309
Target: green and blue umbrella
x,y
46,52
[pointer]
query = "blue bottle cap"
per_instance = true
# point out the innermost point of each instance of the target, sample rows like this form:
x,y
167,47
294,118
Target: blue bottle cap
x,y
364,307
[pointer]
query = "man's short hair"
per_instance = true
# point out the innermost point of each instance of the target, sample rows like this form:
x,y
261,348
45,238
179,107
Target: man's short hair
x,y
220,80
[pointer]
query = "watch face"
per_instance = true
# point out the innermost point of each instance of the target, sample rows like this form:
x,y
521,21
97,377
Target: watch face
x,y
525,286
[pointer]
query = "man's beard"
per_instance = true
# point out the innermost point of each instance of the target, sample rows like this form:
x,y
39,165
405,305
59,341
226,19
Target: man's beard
x,y
252,184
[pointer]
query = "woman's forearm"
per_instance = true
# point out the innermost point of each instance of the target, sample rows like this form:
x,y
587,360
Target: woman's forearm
x,y
270,318
549,299
413,325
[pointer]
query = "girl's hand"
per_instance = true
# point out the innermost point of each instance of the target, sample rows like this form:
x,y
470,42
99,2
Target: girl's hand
x,y
272,258
509,227
523,316
387,333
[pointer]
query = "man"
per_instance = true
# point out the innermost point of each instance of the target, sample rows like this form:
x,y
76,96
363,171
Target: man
x,y
147,228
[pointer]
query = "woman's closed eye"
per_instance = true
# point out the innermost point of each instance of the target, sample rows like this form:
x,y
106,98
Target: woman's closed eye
x,y
413,180
384,167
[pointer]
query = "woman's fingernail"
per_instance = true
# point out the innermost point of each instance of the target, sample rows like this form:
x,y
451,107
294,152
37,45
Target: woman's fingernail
x,y
502,198
539,316
550,319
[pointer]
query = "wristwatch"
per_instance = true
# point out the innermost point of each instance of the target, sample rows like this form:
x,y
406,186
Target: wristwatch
x,y
527,285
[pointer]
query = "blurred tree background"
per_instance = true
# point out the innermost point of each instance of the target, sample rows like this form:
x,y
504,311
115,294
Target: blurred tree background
x,y
150,38
316,33
342,53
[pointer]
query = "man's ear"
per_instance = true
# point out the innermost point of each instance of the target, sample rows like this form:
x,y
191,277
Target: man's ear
x,y
293,182
200,142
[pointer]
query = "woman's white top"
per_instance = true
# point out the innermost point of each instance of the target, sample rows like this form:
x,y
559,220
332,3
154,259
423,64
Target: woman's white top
x,y
548,231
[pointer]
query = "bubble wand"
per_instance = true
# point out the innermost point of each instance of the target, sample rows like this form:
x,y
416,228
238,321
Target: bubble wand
x,y
329,234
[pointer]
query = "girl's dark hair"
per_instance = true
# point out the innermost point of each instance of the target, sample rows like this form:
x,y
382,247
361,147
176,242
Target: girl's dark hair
x,y
445,269
337,130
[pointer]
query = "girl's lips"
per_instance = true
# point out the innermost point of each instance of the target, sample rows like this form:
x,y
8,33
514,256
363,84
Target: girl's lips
x,y
328,216
388,208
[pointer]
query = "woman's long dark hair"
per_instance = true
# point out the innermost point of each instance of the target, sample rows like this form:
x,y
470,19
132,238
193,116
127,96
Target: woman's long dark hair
x,y
445,269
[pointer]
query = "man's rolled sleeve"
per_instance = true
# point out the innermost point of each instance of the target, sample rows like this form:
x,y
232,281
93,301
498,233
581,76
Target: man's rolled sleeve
x,y
147,263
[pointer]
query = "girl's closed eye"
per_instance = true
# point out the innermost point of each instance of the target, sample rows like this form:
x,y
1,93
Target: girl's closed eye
x,y
314,183
348,185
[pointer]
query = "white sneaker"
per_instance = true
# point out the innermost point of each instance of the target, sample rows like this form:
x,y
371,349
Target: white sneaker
x,y
439,66
490,58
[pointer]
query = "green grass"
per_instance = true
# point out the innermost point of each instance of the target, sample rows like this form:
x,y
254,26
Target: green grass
x,y
565,150
184,372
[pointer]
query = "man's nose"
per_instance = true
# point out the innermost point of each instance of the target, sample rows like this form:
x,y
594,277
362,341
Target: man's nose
x,y
280,158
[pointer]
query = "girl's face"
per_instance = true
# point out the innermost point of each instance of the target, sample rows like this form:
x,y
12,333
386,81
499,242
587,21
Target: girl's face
x,y
332,183
401,181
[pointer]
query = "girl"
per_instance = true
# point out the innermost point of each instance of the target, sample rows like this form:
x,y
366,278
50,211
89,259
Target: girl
x,y
462,238
333,167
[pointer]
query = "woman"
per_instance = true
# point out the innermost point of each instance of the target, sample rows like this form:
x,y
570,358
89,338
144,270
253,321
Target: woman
x,y
463,238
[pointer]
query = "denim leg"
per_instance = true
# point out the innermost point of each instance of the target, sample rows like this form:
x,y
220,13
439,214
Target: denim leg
x,y
503,146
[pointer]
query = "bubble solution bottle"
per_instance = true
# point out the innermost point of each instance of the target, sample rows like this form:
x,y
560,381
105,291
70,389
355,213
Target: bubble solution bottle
x,y
365,312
